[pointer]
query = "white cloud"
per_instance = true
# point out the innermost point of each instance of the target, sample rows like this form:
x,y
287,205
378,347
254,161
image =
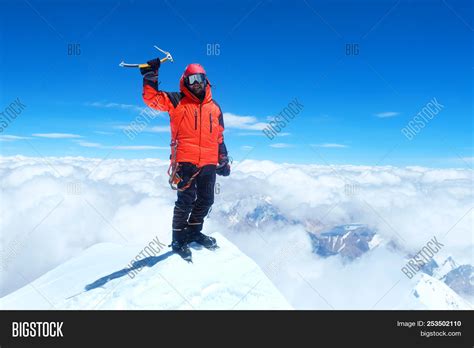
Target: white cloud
x,y
137,129
125,127
281,145
121,147
246,147
56,135
88,144
141,147
158,129
12,137
282,134
387,114
145,111
330,145
258,134
242,122
103,133
117,106
413,203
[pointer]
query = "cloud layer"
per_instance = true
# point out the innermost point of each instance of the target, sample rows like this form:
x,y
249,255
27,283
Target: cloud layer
x,y
53,208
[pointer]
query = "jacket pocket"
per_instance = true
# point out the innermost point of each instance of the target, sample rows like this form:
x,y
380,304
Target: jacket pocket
x,y
210,122
195,119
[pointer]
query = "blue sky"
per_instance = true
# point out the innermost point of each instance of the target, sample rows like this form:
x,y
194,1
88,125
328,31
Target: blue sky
x,y
270,52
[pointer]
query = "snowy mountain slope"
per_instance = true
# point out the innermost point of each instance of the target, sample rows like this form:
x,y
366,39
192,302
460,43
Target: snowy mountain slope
x,y
434,294
221,279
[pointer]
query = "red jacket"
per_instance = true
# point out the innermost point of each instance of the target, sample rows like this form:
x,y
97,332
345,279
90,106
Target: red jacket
x,y
196,126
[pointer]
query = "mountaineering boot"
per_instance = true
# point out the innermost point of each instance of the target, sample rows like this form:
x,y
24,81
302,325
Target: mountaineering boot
x,y
180,246
193,234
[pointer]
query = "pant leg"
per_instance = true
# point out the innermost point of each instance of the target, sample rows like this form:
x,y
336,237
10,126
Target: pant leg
x,y
205,182
185,201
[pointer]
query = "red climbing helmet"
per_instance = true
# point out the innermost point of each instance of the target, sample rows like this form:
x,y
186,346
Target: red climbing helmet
x,y
194,68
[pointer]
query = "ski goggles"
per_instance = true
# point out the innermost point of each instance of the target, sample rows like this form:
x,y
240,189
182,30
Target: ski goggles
x,y
192,79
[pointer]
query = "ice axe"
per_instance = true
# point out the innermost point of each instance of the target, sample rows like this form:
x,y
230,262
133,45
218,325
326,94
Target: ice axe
x,y
167,57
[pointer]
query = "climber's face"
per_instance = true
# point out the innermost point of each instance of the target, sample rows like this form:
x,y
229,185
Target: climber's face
x,y
197,88
197,84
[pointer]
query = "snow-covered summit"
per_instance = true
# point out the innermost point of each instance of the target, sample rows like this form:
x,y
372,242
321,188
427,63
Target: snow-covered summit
x,y
434,294
101,278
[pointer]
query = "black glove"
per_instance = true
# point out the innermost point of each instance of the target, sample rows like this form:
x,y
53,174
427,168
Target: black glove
x,y
154,65
223,168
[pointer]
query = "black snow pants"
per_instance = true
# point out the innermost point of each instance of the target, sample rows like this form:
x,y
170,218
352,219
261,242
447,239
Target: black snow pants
x,y
194,203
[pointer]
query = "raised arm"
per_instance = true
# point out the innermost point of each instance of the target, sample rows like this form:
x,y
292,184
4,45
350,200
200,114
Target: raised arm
x,y
154,98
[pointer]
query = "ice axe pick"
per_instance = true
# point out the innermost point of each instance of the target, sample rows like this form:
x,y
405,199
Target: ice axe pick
x,y
168,56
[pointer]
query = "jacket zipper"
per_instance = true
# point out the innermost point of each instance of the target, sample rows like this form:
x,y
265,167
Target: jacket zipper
x,y
210,121
195,119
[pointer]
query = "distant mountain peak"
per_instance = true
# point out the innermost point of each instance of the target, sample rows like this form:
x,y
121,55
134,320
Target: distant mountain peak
x,y
350,241
461,280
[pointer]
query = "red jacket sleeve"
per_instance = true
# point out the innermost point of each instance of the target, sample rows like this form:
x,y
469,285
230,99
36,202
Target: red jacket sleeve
x,y
152,97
